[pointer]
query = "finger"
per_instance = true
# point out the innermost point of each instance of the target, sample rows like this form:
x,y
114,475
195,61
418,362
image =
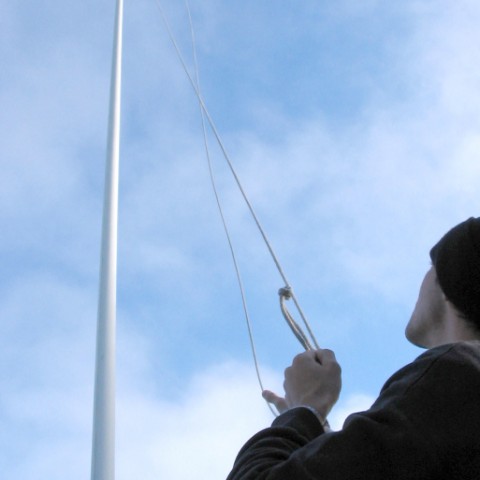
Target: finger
x,y
304,356
270,396
325,356
279,402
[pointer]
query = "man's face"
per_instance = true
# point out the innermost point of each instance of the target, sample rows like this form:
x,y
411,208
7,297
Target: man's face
x,y
427,318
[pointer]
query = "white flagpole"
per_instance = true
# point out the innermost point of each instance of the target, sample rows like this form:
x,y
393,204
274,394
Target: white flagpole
x,y
103,442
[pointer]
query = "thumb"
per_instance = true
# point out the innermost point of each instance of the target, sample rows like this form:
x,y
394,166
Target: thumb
x,y
279,402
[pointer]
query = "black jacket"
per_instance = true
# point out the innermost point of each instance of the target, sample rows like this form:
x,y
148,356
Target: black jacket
x,y
424,425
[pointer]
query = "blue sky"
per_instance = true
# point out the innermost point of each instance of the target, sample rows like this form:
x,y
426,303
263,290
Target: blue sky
x,y
354,128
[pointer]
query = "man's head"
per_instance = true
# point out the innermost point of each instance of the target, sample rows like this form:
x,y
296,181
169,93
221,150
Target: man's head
x,y
456,258
448,307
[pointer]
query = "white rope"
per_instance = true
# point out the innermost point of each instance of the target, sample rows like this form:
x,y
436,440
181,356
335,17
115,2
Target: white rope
x,y
222,216
286,292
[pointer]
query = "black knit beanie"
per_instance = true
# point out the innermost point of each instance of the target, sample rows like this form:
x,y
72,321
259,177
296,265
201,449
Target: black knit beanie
x,y
456,258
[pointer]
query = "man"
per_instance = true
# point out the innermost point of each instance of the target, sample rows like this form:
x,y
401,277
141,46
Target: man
x,y
425,423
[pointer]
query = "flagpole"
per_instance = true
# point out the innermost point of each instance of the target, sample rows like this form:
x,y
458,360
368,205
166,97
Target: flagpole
x,y
103,441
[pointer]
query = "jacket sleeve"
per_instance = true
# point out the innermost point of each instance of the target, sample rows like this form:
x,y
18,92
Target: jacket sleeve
x,y
407,433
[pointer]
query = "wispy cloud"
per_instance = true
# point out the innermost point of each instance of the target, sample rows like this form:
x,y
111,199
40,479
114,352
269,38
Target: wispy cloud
x,y
353,190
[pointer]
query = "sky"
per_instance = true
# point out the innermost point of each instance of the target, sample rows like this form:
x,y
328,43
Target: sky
x,y
354,129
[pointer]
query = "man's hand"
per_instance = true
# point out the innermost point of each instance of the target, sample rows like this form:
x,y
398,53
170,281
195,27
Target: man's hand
x,y
313,380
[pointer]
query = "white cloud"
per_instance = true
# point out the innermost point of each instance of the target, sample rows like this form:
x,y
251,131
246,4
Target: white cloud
x,y
46,367
47,405
196,436
379,193
355,204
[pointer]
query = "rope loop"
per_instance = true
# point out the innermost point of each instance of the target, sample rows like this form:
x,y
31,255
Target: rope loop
x,y
285,293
